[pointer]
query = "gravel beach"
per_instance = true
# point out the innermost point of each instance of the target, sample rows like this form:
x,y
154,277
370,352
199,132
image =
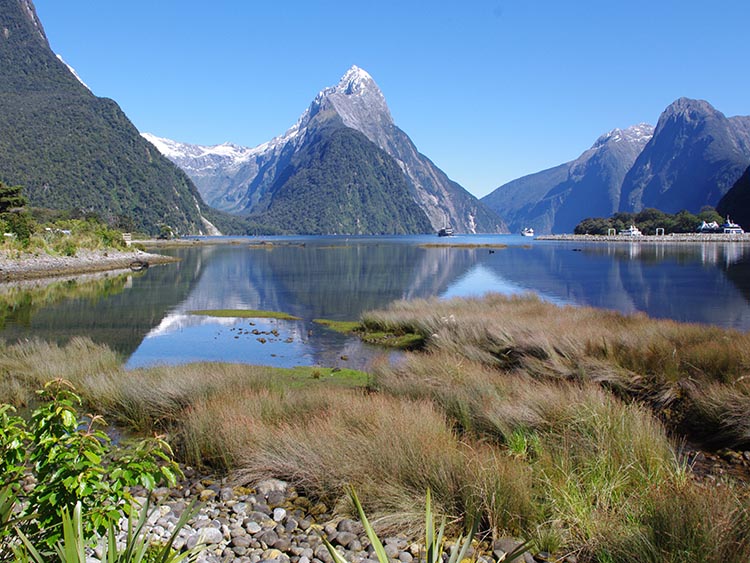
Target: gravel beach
x,y
271,523
24,266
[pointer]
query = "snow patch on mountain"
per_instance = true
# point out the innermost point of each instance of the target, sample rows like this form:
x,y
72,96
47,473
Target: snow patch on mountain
x,y
227,154
638,134
72,71
240,179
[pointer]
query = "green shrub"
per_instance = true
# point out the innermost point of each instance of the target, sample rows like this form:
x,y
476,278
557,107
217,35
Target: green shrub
x,y
72,462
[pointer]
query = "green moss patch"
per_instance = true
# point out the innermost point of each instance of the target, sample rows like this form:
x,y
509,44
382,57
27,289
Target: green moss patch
x,y
344,327
245,314
400,340
407,341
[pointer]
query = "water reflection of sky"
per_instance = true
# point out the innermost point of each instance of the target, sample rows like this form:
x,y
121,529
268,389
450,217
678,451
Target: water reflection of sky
x,y
146,317
194,338
183,338
480,280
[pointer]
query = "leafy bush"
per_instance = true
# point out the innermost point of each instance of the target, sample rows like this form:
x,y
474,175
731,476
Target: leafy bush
x,y
72,462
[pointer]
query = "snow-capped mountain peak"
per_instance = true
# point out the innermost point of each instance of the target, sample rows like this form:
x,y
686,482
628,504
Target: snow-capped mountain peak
x,y
356,98
243,180
355,81
638,134
229,153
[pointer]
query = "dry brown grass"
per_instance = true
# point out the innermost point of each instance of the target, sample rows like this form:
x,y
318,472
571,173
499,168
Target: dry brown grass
x,y
27,366
547,455
592,456
685,523
390,449
668,364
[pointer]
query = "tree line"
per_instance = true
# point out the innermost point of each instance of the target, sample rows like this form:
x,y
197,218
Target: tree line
x,y
648,221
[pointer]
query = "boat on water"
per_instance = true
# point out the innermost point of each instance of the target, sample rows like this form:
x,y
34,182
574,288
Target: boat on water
x,y
729,228
631,231
445,232
527,232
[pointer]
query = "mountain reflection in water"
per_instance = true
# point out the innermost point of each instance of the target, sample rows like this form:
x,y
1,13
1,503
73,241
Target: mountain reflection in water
x,y
146,317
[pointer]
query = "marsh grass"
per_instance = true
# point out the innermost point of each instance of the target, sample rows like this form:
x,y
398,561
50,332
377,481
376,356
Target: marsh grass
x,y
671,366
398,339
592,456
523,432
343,327
685,523
27,366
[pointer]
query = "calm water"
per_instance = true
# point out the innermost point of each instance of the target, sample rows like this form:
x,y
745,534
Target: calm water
x,y
146,316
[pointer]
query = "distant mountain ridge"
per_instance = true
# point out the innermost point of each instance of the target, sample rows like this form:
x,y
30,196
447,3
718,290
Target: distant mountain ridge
x,y
695,156
736,202
73,150
689,160
244,180
556,199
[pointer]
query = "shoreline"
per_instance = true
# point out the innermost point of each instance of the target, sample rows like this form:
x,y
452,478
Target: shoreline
x,y
207,241
649,239
29,266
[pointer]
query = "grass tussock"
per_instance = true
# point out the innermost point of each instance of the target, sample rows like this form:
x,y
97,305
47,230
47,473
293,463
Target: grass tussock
x,y
685,523
398,339
553,456
671,366
27,366
593,458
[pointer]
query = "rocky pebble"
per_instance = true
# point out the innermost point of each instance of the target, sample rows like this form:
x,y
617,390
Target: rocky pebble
x,y
270,523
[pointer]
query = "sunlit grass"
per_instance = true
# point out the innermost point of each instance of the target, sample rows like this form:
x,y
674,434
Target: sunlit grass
x,y
343,327
390,339
672,366
540,420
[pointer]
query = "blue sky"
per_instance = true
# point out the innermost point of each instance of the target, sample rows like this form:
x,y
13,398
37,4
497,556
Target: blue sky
x,y
490,90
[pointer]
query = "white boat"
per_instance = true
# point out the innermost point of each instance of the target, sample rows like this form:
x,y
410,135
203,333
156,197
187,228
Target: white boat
x,y
445,232
631,231
729,228
528,232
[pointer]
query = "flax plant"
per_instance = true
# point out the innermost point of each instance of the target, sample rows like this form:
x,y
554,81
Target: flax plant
x,y
136,548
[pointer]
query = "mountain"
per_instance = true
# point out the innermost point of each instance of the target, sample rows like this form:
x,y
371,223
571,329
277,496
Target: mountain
x,y
340,183
244,181
557,199
736,202
73,150
694,157
215,170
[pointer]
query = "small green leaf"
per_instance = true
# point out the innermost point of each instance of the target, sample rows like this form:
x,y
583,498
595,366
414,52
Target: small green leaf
x,y
92,457
147,480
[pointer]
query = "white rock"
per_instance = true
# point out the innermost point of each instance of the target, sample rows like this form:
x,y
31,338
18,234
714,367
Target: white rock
x,y
279,514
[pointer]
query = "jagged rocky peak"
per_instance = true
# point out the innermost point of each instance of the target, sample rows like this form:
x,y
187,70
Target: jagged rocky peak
x,y
200,160
688,109
357,99
640,134
356,81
